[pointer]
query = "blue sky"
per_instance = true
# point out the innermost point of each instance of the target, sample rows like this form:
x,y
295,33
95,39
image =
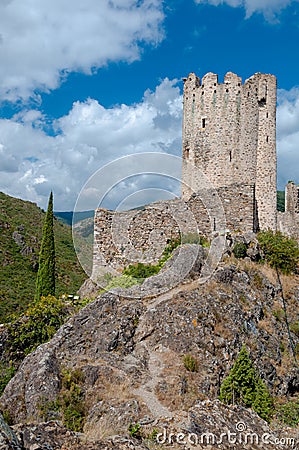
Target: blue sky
x,y
83,83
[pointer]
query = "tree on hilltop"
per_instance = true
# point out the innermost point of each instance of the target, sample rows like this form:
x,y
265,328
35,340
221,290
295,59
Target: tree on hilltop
x,y
45,281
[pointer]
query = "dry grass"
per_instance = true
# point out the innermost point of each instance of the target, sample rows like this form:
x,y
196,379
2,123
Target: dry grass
x,y
222,329
266,325
101,429
170,393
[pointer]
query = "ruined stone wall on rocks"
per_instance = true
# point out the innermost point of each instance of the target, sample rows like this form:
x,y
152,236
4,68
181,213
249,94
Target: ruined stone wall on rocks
x,y
123,238
228,175
288,221
229,135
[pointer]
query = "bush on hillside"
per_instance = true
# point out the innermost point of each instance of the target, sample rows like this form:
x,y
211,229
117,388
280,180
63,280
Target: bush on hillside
x,y
243,386
280,252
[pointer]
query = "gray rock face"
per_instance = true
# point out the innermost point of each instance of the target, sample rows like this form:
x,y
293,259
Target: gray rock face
x,y
8,439
131,354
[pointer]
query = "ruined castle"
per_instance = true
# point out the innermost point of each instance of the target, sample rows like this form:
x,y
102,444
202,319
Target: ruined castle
x,y
229,139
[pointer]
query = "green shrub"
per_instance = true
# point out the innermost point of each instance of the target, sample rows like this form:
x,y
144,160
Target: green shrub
x,y
141,271
244,386
289,413
38,325
123,281
280,252
70,405
190,363
240,250
168,250
195,238
135,430
279,314
294,327
6,374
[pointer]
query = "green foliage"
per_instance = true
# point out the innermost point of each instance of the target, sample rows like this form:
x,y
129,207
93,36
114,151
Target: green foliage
x,y
289,413
280,252
244,386
195,238
280,201
294,327
190,363
19,262
168,250
38,325
70,405
263,402
141,271
7,417
135,430
240,250
45,280
123,281
279,314
6,374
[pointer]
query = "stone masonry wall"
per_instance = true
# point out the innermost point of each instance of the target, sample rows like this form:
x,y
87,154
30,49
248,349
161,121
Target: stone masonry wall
x,y
229,135
288,222
122,238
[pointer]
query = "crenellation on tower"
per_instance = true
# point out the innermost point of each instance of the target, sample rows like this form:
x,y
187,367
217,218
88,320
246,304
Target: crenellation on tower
x,y
229,155
229,135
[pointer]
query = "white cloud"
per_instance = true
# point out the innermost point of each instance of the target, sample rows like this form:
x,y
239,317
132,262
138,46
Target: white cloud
x,y
288,136
270,8
87,138
42,41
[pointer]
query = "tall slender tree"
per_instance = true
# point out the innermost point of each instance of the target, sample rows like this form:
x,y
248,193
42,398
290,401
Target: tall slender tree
x,y
45,281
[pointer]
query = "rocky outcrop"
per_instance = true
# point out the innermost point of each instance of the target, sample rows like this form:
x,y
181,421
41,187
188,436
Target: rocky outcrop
x,y
130,352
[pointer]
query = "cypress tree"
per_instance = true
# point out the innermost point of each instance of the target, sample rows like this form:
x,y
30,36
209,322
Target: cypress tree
x,y
45,281
263,402
244,386
239,386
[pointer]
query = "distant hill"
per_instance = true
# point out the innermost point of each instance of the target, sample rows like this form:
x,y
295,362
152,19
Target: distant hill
x,y
20,233
68,216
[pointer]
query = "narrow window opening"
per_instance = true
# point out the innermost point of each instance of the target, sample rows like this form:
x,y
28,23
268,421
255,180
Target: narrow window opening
x,y
267,139
267,115
203,123
248,94
202,93
187,153
215,91
230,156
226,90
214,224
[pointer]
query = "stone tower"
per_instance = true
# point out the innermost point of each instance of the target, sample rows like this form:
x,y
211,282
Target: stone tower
x,y
229,133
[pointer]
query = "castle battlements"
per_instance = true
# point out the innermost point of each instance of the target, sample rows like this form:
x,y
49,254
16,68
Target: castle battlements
x,y
229,133
229,139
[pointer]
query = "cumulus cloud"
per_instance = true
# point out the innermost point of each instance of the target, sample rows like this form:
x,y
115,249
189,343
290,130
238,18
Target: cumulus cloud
x,y
89,136
288,136
86,138
42,41
270,8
